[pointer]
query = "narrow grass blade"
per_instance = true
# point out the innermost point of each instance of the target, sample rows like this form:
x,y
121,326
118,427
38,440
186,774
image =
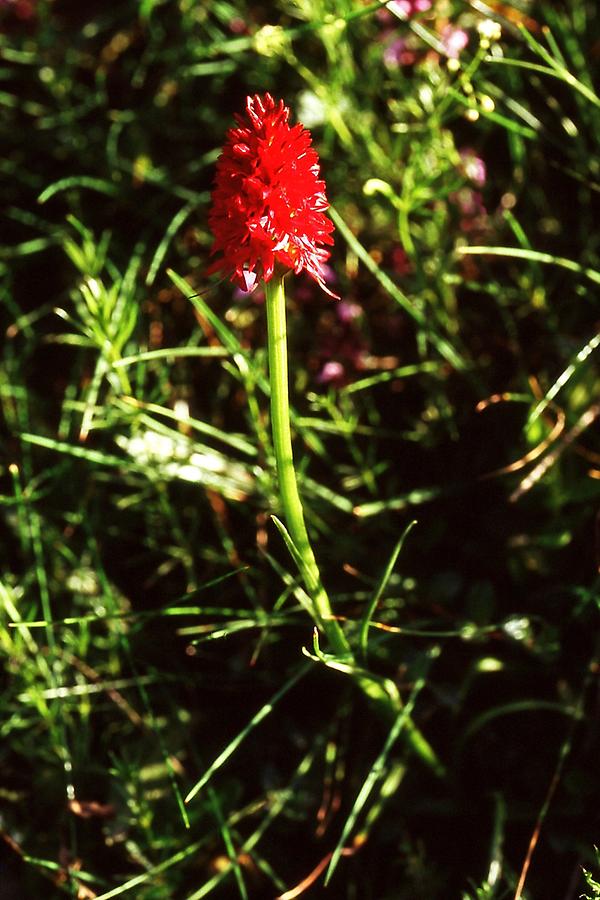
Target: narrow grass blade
x,y
172,229
293,550
562,72
24,321
27,248
311,488
532,256
93,184
232,440
151,874
10,605
225,335
229,844
169,353
363,636
293,586
65,692
517,229
254,721
52,866
586,419
91,398
95,456
211,632
390,375
565,377
313,423
413,498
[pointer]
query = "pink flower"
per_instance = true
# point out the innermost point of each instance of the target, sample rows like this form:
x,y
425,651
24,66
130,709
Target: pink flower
x,y
473,166
331,372
453,41
347,311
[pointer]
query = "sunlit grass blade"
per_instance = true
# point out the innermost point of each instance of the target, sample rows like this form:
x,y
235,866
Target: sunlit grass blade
x,y
312,488
237,442
217,631
27,248
224,611
363,635
558,67
169,353
566,440
165,452
85,181
314,423
51,866
412,498
293,585
225,334
71,691
263,712
565,377
94,456
532,256
172,229
92,398
151,874
370,381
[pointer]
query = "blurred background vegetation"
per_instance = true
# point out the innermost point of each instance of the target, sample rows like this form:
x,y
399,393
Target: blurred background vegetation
x,y
152,630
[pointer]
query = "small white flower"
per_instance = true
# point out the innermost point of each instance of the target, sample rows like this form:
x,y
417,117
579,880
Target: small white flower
x,y
489,31
311,109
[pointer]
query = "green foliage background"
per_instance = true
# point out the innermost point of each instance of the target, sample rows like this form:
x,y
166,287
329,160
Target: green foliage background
x,y
152,625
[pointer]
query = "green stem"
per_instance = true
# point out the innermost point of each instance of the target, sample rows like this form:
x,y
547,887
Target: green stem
x,y
390,706
288,486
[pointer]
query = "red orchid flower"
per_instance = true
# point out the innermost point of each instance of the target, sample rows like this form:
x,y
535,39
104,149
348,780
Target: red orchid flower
x,y
268,202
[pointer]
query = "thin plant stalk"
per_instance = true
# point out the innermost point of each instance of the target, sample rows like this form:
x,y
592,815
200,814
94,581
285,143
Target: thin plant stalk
x,y
288,485
389,703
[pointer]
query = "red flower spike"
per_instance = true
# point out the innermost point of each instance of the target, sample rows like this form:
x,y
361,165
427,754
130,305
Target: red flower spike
x,y
268,202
